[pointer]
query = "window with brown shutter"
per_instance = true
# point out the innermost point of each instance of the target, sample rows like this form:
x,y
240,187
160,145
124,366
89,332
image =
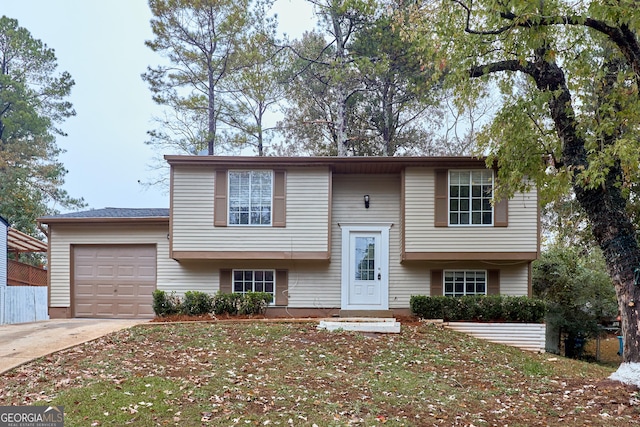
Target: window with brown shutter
x,y
442,203
221,202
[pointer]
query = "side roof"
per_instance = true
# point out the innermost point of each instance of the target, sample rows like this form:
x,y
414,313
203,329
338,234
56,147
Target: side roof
x,y
108,215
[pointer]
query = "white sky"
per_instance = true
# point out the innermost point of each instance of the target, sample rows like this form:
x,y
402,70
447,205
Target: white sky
x,y
101,44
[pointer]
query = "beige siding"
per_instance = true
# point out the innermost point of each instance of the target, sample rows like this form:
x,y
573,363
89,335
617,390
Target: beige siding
x,y
170,275
422,236
514,279
323,287
307,208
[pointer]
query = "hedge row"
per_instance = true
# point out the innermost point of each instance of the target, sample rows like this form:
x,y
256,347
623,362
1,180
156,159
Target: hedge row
x,y
196,303
492,308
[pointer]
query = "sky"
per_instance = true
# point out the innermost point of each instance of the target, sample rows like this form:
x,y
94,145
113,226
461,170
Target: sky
x,y
101,44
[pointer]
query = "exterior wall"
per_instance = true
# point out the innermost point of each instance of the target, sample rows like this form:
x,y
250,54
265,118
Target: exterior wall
x,y
307,209
170,275
422,236
318,285
3,253
3,268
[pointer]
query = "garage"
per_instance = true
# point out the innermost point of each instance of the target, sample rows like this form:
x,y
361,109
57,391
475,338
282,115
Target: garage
x,y
113,281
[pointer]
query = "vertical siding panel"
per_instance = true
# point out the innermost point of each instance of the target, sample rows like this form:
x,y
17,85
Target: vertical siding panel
x,y
282,288
220,199
493,282
226,282
441,201
279,199
436,283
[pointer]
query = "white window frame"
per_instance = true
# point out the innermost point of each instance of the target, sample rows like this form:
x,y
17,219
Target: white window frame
x,y
231,196
470,199
464,286
253,281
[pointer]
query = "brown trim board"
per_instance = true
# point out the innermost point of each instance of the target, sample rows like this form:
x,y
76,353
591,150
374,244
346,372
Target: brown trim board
x,y
470,256
251,255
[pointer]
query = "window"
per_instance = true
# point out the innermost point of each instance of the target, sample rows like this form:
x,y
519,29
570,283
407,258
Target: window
x,y
470,194
250,197
254,281
465,282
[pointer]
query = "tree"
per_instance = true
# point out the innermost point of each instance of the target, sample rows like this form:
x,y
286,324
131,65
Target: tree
x,y
325,80
199,38
568,75
32,104
577,290
399,95
358,88
254,86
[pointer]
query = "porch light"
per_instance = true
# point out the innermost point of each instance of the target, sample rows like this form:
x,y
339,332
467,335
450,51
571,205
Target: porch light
x,y
636,277
366,201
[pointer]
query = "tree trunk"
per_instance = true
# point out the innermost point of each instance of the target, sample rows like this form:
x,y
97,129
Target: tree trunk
x,y
605,206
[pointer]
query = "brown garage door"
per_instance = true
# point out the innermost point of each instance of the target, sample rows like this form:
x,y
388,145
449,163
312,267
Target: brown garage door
x,y
114,280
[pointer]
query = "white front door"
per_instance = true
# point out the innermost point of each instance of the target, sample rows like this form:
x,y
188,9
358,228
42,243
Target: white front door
x,y
365,265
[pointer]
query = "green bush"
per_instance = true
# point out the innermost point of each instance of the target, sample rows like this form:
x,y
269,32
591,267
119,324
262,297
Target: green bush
x,y
490,308
166,304
225,303
254,302
196,303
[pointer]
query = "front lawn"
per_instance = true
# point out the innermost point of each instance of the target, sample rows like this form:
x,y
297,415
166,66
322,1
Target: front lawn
x,y
290,374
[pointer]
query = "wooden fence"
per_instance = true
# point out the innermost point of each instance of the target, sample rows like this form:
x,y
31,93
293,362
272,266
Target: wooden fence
x,y
19,274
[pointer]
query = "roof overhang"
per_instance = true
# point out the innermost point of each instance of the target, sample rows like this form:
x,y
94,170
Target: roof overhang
x,y
104,220
345,165
19,242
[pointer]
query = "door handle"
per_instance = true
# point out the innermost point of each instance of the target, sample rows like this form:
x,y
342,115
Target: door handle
x,y
379,276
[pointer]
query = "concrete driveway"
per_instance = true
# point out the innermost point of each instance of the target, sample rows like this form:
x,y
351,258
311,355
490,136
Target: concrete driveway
x,y
27,341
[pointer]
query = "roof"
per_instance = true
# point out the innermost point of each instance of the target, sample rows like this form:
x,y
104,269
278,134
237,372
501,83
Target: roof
x,y
346,165
17,241
106,215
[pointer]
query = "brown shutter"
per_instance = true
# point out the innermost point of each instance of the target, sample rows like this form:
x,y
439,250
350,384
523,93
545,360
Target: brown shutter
x,y
441,201
436,283
282,287
279,199
225,282
493,282
220,199
501,213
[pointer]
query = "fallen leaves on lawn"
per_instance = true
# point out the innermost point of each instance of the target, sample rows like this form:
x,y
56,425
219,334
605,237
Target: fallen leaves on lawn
x,y
293,374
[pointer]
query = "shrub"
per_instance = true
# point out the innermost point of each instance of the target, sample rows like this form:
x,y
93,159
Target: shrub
x,y
166,304
479,308
254,302
226,303
196,303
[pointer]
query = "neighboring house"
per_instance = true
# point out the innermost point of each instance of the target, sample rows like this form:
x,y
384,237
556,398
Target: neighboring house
x,y
4,230
325,235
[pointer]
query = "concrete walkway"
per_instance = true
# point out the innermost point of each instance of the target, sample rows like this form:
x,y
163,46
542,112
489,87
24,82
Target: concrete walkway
x,y
24,342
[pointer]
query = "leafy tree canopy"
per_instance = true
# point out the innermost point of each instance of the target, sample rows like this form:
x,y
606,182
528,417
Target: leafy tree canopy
x,y
566,74
32,105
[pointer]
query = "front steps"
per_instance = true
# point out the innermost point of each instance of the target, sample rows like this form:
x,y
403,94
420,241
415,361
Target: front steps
x,y
383,325
366,313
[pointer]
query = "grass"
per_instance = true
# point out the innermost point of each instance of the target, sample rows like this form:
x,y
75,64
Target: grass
x,y
223,374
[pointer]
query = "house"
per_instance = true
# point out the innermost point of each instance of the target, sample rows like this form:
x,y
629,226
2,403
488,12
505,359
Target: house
x,y
4,229
325,235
